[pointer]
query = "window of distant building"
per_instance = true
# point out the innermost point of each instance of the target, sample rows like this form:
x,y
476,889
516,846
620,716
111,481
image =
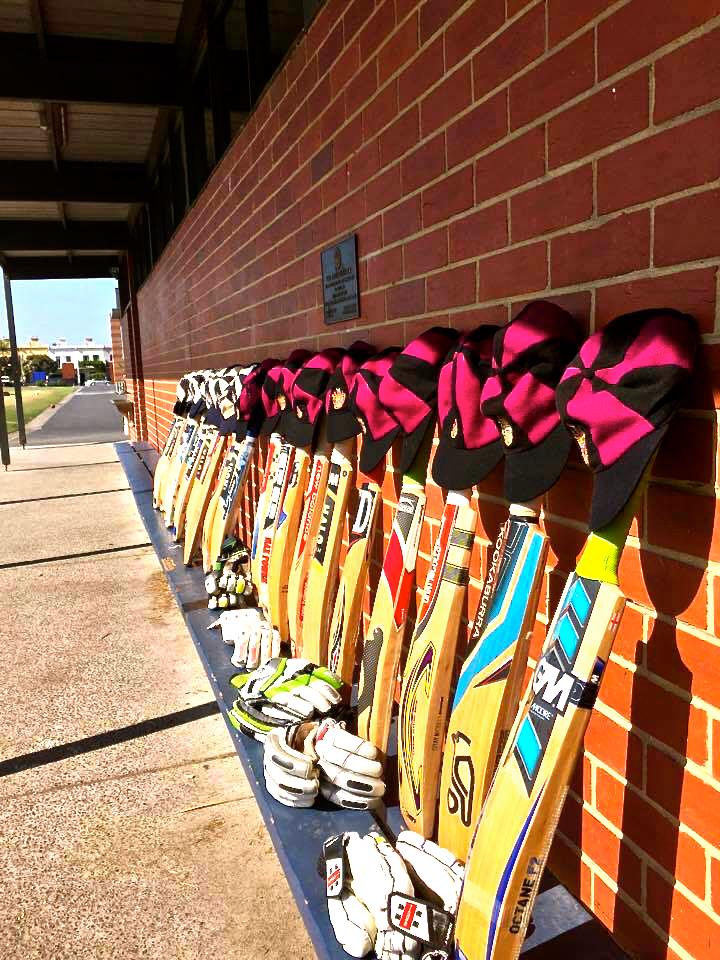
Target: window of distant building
x,y
96,356
68,359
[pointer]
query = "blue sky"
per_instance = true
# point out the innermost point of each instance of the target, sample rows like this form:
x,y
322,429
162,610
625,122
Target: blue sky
x,y
50,309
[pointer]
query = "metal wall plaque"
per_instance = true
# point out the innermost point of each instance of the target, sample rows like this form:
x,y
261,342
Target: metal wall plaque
x,y
341,298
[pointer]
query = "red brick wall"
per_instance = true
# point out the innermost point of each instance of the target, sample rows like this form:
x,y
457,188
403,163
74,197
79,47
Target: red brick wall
x,y
487,152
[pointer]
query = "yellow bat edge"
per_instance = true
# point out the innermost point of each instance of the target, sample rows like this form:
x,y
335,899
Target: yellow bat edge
x,y
490,684
428,671
322,574
163,463
177,470
286,531
200,495
215,525
513,837
313,499
347,611
187,480
274,444
168,480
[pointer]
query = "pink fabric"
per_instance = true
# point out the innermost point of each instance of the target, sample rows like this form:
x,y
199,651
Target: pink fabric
x,y
444,395
653,347
252,389
378,420
325,361
408,409
531,405
614,427
477,429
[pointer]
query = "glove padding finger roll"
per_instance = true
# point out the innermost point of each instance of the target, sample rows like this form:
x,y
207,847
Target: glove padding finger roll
x,y
290,774
347,799
377,871
352,922
436,873
350,773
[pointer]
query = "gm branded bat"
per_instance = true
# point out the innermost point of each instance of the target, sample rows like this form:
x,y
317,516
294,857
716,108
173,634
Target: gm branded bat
x,y
206,473
384,638
283,542
428,670
489,687
513,836
314,495
221,514
320,583
274,444
347,613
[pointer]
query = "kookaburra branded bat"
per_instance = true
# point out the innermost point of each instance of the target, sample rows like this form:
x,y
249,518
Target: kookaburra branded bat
x,y
428,671
222,511
287,521
513,836
274,444
322,576
351,589
489,687
206,472
384,638
313,498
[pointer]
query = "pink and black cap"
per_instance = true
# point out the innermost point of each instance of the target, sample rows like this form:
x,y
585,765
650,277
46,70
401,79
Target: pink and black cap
x,y
276,388
341,420
618,395
529,356
378,425
249,408
470,444
307,396
409,391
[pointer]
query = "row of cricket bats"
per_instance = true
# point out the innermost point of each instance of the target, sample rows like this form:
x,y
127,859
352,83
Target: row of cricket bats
x,y
448,752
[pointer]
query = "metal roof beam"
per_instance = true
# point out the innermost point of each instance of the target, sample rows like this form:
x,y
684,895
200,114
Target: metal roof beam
x,y
33,180
52,235
58,268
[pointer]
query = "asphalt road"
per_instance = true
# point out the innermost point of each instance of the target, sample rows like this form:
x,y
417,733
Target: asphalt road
x,y
89,416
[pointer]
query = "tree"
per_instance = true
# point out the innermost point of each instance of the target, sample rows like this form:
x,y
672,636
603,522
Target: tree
x,y
44,363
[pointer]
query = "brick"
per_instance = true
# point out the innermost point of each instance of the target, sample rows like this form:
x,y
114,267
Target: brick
x,y
427,68
670,719
687,229
448,99
479,232
689,662
424,164
629,637
361,88
472,28
687,451
383,190
394,141
364,164
636,30
452,288
514,163
399,49
348,140
666,163
674,588
426,253
683,521
693,929
715,885
617,688
560,78
621,750
402,221
377,29
433,15
692,291
344,68
690,865
687,78
322,162
612,856
385,267
330,50
449,197
518,271
516,47
406,299
552,205
381,110
350,211
619,246
478,129
565,19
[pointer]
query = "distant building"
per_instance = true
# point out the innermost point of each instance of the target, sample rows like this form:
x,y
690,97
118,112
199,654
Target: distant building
x,y
75,353
33,348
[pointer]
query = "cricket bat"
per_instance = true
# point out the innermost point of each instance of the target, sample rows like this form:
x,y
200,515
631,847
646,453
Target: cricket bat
x,y
274,444
222,510
428,670
386,630
347,611
163,464
513,836
287,521
322,576
184,445
206,473
313,496
490,682
196,454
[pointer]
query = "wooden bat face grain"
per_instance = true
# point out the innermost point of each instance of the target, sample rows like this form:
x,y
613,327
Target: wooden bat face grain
x,y
281,477
383,643
525,800
175,467
205,474
273,450
314,495
187,477
163,464
488,690
428,671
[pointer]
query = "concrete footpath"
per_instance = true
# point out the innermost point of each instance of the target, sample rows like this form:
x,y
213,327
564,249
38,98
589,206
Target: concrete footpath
x,y
128,828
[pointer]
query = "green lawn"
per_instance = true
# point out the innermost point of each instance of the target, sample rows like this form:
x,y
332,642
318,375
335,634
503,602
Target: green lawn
x,y
35,400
